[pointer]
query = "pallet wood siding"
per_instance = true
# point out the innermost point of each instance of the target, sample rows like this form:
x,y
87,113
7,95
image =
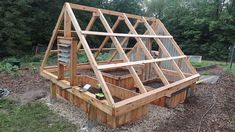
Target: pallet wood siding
x,y
98,115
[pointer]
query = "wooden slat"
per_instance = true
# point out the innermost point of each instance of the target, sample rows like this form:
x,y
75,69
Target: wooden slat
x,y
142,99
53,38
109,66
146,52
151,31
108,12
89,26
122,34
90,56
115,25
122,53
122,43
73,65
180,52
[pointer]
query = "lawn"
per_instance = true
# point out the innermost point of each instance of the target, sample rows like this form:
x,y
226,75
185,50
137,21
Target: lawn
x,y
30,117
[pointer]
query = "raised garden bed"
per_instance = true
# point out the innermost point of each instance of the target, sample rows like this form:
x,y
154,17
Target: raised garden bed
x,y
120,77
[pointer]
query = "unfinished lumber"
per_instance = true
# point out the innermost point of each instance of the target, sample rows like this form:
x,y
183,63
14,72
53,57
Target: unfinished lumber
x,y
126,98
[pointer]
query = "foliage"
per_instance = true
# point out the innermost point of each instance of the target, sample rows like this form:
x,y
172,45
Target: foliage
x,y
231,70
7,67
30,117
200,64
200,27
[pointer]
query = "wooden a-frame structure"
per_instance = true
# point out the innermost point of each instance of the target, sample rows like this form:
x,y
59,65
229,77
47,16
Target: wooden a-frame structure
x,y
171,66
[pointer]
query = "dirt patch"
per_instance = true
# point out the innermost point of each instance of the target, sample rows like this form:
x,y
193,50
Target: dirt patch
x,y
185,117
220,118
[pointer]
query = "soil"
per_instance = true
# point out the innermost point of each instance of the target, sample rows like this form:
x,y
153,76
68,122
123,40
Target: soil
x,y
122,72
213,106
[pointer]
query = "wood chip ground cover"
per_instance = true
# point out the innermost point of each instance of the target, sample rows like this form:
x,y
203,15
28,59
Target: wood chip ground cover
x,y
185,117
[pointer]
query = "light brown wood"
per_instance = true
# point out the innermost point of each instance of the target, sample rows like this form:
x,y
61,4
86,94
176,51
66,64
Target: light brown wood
x,y
151,31
89,55
146,52
139,100
115,25
53,38
122,53
122,34
109,12
122,43
89,26
109,66
73,65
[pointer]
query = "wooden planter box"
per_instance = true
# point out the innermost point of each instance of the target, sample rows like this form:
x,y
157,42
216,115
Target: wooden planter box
x,y
98,114
120,77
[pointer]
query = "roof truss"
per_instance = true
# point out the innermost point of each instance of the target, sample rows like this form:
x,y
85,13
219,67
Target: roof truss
x,y
67,15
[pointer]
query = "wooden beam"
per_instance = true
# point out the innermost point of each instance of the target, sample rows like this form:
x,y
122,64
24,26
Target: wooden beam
x,y
122,53
145,98
115,25
122,34
86,96
178,49
122,43
108,12
90,56
109,66
89,26
53,38
146,52
73,65
165,51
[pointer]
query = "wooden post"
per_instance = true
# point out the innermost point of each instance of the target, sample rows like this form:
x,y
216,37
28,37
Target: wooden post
x,y
53,92
90,56
67,33
73,64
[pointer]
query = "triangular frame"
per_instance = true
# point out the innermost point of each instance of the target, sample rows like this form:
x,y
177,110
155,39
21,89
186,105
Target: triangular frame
x,y
70,20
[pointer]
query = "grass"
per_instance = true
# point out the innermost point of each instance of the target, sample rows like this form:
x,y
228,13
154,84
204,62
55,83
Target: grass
x,y
200,64
30,117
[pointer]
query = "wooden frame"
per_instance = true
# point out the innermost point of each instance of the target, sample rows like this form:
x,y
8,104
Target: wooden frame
x,y
133,104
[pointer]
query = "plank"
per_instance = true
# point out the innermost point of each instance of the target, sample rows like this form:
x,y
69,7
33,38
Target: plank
x,y
109,12
115,25
122,34
145,50
122,43
73,65
53,38
90,56
151,31
145,98
122,53
109,66
89,26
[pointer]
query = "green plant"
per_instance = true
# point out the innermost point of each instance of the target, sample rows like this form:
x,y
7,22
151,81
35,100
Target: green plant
x,y
9,69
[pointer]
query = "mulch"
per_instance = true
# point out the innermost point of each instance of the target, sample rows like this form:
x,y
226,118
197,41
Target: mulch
x,y
221,117
186,117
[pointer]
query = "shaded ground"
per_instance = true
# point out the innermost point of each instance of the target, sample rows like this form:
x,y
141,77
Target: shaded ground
x,y
220,97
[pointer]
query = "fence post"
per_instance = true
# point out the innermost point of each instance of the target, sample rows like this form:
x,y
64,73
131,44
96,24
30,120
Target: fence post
x,y
231,59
